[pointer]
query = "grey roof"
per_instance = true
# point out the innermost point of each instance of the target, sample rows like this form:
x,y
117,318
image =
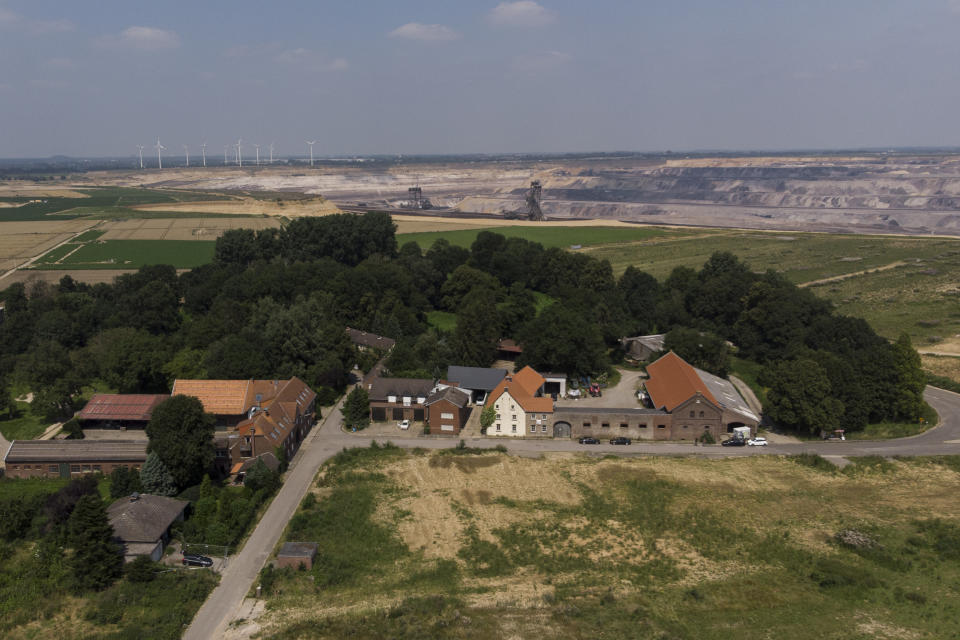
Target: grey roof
x,y
653,342
453,395
298,550
144,519
77,451
476,378
370,339
413,387
726,394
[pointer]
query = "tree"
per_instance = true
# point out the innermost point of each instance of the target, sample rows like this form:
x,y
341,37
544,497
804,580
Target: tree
x,y
61,504
356,409
73,429
181,434
701,349
141,569
560,339
260,476
487,417
474,340
908,403
124,481
800,396
97,560
155,478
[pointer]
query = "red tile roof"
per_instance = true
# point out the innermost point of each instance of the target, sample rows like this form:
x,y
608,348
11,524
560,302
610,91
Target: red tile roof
x,y
529,380
114,406
673,382
219,397
521,387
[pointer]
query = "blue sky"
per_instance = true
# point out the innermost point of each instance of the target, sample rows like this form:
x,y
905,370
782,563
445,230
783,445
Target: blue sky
x,y
362,77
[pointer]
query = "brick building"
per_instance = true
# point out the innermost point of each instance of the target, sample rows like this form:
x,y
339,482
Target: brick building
x,y
72,458
447,411
119,411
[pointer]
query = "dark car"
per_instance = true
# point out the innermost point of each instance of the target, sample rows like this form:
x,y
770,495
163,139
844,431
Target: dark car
x,y
192,560
733,442
589,440
620,440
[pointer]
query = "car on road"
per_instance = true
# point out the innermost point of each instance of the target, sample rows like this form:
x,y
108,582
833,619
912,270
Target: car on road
x,y
404,424
759,441
193,560
733,442
588,440
620,440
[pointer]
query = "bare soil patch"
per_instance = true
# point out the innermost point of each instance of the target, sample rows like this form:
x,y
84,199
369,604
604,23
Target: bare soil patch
x,y
250,207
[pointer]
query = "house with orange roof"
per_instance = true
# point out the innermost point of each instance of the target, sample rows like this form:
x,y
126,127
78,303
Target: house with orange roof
x,y
522,410
255,418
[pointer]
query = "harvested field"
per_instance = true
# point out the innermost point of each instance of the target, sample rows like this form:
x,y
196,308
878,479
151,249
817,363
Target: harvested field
x,y
181,228
293,208
20,241
481,544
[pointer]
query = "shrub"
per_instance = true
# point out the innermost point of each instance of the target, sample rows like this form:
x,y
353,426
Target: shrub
x,y
707,438
142,569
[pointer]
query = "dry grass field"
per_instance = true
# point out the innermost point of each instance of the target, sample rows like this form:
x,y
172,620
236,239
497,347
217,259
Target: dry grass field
x,y
181,228
20,241
293,208
472,544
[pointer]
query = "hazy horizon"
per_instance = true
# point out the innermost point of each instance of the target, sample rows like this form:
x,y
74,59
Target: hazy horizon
x,y
494,78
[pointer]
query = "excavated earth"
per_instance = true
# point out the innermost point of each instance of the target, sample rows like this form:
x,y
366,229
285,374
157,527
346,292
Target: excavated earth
x,y
868,193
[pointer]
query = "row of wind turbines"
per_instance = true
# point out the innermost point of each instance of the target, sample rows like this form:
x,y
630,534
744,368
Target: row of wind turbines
x,y
238,156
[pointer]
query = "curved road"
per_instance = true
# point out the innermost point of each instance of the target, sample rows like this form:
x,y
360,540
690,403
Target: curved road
x,y
327,439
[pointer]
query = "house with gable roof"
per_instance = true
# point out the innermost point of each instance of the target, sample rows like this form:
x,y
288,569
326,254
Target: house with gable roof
x,y
254,417
521,407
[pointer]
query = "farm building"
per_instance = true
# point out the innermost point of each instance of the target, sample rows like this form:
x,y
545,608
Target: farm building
x,y
294,554
118,411
447,411
365,341
398,398
643,347
72,458
141,523
254,416
477,381
521,408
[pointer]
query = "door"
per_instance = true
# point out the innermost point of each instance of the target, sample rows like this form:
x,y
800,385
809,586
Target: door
x,y
561,430
64,470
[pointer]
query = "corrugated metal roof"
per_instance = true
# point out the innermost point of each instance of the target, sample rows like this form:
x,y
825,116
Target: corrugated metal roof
x,y
117,406
77,451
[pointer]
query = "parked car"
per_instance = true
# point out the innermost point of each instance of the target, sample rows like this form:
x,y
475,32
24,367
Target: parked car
x,y
759,441
193,560
620,440
589,440
404,424
733,442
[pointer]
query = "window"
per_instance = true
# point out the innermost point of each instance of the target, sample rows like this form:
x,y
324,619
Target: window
x,y
706,427
86,467
406,401
446,416
498,416
498,426
692,414
642,425
586,425
605,425
544,416
53,468
96,467
623,425
684,426
391,398
533,428
74,468
701,414
543,429
661,426
514,417
446,427
514,429
16,467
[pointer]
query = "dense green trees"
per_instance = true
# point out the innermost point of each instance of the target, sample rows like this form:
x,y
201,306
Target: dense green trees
x,y
97,560
155,478
356,408
701,349
560,339
800,398
181,436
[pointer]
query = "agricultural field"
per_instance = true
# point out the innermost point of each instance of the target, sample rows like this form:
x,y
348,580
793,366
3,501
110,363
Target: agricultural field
x,y
556,235
20,241
465,543
202,229
97,202
129,254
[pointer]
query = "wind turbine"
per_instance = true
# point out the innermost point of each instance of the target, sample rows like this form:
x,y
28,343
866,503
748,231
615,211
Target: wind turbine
x,y
257,147
271,153
160,148
140,148
311,143
240,152
203,150
225,147
186,150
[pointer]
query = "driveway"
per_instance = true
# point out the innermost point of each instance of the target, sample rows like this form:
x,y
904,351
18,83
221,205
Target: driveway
x,y
624,395
327,439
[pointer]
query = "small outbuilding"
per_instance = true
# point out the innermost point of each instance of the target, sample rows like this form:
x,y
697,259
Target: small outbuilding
x,y
294,554
447,411
141,523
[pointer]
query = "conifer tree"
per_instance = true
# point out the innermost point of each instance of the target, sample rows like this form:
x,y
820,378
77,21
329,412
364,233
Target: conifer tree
x,y
155,478
97,560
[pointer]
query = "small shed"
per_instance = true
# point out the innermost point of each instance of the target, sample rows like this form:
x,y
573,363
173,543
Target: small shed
x,y
294,554
141,523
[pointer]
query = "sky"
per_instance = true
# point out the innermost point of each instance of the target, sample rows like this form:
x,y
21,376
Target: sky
x,y
452,76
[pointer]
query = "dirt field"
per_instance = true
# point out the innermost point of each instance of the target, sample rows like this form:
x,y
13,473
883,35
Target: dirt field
x,y
250,207
20,241
181,228
19,189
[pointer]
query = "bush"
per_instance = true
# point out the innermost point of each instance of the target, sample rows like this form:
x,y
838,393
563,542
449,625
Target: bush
x,y
142,569
73,430
707,438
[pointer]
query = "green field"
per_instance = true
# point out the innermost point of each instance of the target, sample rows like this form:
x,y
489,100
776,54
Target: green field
x,y
473,544
101,202
563,237
442,320
131,254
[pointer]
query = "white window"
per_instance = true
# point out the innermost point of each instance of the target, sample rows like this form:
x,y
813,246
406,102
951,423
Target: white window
x,y
533,428
514,416
446,427
498,416
543,428
446,416
391,398
421,400
406,401
498,426
514,429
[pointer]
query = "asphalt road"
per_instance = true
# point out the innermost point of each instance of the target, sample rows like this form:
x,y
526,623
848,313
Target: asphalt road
x,y
327,439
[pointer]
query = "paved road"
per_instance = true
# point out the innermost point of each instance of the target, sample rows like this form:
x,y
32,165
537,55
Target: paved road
x,y
4,446
327,439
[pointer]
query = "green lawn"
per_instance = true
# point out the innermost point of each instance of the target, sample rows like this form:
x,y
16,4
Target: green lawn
x,y
26,426
563,237
442,320
133,254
